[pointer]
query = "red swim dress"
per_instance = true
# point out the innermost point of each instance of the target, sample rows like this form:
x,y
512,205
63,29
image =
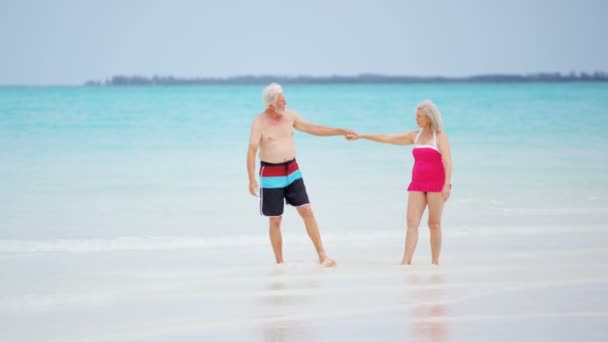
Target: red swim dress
x,y
428,174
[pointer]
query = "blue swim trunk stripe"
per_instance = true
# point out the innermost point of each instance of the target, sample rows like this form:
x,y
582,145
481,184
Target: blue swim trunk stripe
x,y
280,181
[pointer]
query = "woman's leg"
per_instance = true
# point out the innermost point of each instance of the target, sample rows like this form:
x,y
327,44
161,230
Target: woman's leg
x,y
435,202
416,203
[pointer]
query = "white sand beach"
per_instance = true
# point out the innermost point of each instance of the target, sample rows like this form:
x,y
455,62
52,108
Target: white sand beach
x,y
505,284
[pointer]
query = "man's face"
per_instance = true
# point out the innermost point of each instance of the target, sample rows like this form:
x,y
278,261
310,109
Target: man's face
x,y
279,105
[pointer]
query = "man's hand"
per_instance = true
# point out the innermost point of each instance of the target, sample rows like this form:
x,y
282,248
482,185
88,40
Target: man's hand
x,y
350,135
253,188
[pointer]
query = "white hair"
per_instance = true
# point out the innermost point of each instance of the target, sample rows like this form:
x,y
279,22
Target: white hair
x,y
270,93
432,113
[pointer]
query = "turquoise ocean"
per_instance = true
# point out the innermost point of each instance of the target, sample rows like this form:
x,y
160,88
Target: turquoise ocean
x,y
125,215
103,162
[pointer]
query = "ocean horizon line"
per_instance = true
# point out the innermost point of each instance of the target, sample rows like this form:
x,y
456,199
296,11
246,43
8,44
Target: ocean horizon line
x,y
363,78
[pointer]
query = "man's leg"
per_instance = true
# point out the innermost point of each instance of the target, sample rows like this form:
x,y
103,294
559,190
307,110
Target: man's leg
x,y
312,229
271,205
275,238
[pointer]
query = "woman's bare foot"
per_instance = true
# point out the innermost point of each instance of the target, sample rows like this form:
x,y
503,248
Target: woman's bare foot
x,y
327,262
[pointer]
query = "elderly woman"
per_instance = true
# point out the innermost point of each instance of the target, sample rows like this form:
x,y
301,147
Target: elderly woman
x,y
430,185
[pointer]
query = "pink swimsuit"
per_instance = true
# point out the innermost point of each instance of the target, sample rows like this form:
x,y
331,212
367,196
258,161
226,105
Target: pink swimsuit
x,y
428,174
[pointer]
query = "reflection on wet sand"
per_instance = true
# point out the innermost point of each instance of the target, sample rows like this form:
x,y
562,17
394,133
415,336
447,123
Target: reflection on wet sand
x,y
277,329
428,308
279,326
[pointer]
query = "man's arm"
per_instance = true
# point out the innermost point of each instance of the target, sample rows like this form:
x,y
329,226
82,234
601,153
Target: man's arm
x,y
254,141
318,130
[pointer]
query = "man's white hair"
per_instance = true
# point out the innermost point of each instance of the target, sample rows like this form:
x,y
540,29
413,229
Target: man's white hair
x,y
433,113
270,93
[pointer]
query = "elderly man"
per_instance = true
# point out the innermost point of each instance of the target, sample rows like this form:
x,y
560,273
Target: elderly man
x,y
280,177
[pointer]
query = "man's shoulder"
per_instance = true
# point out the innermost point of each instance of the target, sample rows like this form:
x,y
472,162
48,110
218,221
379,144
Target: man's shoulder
x,y
291,114
258,118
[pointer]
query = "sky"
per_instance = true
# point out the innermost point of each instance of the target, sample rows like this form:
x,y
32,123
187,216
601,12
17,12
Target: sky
x,y
70,42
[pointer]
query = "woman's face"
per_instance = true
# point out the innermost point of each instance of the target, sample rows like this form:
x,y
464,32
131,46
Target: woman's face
x,y
421,119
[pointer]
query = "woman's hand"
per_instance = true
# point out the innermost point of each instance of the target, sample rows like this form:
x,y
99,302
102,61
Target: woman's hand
x,y
446,192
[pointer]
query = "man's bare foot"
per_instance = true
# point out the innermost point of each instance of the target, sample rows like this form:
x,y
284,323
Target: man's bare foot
x,y
327,262
403,262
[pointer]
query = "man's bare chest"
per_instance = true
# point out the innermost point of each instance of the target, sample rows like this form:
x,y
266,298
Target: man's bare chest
x,y
275,131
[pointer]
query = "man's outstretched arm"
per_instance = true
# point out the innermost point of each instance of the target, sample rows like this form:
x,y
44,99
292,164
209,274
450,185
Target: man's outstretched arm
x,y
318,130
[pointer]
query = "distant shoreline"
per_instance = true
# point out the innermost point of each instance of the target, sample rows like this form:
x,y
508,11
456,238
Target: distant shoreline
x,y
121,80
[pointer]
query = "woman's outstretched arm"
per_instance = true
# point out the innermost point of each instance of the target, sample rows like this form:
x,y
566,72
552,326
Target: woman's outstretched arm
x,y
405,138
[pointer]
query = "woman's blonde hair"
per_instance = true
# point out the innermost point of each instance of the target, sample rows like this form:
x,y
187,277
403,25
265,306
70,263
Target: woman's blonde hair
x,y
432,113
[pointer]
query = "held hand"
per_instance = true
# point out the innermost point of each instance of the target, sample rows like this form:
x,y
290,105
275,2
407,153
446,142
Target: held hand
x,y
253,188
352,136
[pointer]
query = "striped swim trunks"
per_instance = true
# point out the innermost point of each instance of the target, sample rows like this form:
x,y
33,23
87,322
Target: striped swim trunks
x,y
281,183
